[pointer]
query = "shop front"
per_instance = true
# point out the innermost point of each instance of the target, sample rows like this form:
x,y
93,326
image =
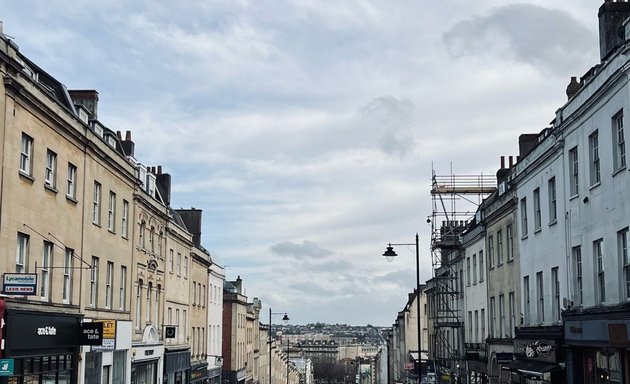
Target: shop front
x,y
43,347
177,366
539,356
199,373
597,347
109,362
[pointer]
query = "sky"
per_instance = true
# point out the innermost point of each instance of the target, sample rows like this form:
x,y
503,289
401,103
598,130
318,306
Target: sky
x,y
308,131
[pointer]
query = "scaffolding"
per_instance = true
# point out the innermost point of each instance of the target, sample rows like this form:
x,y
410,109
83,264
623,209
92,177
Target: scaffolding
x,y
455,199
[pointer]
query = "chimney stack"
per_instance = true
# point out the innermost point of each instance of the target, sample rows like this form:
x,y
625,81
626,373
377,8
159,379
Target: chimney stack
x,y
573,87
128,146
611,30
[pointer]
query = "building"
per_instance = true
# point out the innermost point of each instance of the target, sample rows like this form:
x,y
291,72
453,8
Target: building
x,y
234,332
216,279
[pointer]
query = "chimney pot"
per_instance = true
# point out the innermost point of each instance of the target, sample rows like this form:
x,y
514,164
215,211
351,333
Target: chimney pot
x,y
128,135
511,161
573,87
159,170
118,135
502,162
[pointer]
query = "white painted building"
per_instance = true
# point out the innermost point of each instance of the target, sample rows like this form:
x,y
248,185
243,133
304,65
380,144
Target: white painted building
x,y
216,278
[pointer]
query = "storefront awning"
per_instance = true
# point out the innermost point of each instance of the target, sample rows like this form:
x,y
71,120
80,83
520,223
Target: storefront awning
x,y
531,367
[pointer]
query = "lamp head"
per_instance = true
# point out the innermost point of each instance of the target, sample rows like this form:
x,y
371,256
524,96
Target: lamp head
x,y
389,253
285,319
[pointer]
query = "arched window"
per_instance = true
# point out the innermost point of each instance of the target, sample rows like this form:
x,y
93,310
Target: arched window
x,y
157,305
152,240
148,311
141,234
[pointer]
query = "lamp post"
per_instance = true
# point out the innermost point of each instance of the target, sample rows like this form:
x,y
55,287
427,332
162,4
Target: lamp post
x,y
389,255
288,355
285,320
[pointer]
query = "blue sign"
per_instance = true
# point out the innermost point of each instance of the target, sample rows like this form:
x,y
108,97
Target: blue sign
x,y
6,367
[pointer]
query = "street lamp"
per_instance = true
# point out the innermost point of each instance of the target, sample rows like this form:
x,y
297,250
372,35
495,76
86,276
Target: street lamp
x,y
288,355
285,320
389,255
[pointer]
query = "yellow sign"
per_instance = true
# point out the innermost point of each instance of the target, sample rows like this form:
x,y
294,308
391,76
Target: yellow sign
x,y
109,328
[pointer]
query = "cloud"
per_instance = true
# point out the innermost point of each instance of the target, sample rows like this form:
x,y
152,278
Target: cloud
x,y
306,250
391,118
548,39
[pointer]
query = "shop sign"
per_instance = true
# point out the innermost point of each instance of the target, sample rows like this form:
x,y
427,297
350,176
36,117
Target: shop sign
x,y
19,284
409,366
91,334
539,349
6,367
38,330
109,336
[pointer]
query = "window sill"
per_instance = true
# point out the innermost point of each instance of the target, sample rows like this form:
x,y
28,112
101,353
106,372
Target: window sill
x,y
97,224
72,199
500,265
594,185
618,171
111,231
537,230
510,260
50,188
26,176
553,222
572,197
523,237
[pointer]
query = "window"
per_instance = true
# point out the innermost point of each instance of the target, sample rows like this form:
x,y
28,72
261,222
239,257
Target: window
x,y
476,339
21,254
512,321
493,318
67,276
537,217
555,292
179,264
474,269
148,306
526,303
50,176
540,297
481,267
491,251
510,242
599,264
139,305
470,327
573,171
170,260
203,295
524,217
177,323
185,324
593,156
622,250
577,273
461,281
44,272
159,244
141,234
194,296
125,219
94,283
501,316
468,280
499,247
26,155
619,142
483,325
185,266
158,294
122,296
152,239
111,212
553,209
109,277
96,203
72,179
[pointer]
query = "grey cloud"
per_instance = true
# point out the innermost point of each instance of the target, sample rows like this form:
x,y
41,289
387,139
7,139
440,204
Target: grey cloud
x,y
391,118
312,288
549,39
306,250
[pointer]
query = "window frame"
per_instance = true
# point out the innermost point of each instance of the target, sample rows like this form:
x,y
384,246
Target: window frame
x,y
574,172
27,145
50,173
94,271
578,274
623,256
96,203
537,211
71,181
619,142
555,293
111,212
540,297
22,253
524,229
66,294
45,273
598,258
553,202
594,159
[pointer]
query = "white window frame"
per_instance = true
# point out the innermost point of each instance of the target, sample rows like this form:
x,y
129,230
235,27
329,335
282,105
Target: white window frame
x,y
524,228
499,247
21,253
526,300
71,190
474,268
186,266
96,203
574,172
553,204
555,292
598,258
537,214
622,251
468,278
94,282
44,270
50,174
179,264
619,142
482,271
491,250
148,304
540,297
111,212
122,296
578,273
594,160
501,316
512,314
139,305
493,317
67,276
109,283
26,155
509,230
125,220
